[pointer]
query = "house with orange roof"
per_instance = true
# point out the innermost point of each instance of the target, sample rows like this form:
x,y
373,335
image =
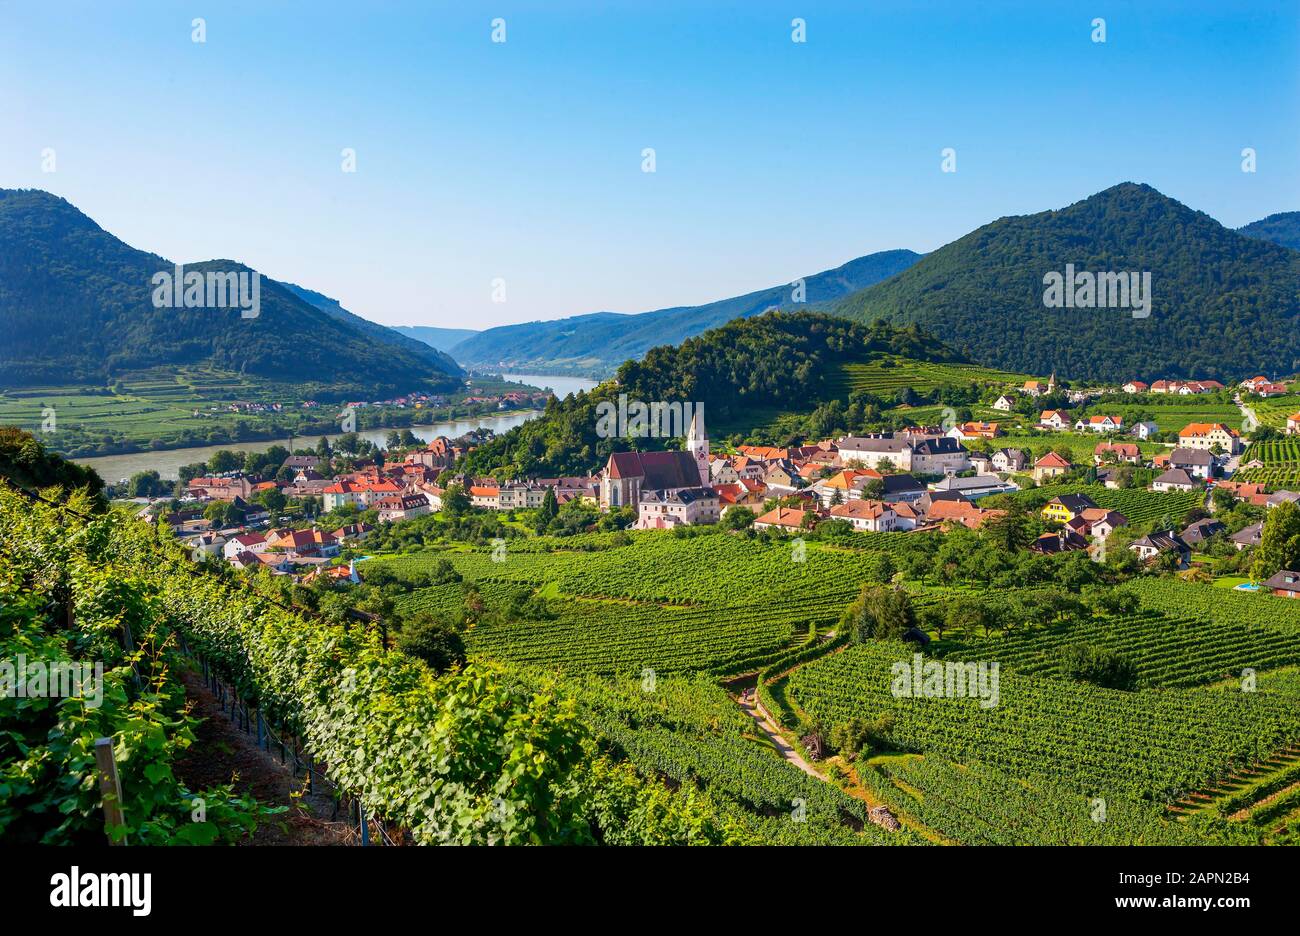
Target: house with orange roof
x,y
961,511
844,485
785,519
1208,435
1293,424
1054,419
1050,465
1126,452
871,516
1100,424
975,430
484,496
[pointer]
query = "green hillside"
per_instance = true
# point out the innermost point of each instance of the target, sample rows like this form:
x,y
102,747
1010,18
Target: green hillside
x,y
1223,305
746,372
76,307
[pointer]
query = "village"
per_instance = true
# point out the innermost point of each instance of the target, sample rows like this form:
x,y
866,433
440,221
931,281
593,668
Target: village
x,y
919,478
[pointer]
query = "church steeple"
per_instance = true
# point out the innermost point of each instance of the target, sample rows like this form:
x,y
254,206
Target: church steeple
x,y
697,442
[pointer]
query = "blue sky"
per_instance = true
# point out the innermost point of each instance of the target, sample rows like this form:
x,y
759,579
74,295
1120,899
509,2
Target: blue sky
x,y
522,160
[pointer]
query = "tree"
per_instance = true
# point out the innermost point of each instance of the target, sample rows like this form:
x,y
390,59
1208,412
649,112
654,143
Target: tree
x,y
455,502
435,642
223,461
738,518
221,514
859,736
1099,666
1279,545
548,511
880,612
146,484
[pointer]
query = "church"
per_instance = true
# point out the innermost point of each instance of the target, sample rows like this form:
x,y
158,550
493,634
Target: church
x,y
630,477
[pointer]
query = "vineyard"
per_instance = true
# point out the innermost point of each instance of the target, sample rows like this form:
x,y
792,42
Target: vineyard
x,y
463,758
1219,607
1281,463
1273,411
978,805
690,730
1169,649
1139,505
1151,745
887,375
716,604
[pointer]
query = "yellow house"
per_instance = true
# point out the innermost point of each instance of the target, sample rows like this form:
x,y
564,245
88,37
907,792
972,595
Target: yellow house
x,y
1049,466
1066,507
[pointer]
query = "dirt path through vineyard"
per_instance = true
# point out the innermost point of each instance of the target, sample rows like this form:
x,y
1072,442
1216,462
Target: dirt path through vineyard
x,y
222,751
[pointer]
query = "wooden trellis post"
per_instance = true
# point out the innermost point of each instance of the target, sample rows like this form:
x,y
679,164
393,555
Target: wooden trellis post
x,y
110,786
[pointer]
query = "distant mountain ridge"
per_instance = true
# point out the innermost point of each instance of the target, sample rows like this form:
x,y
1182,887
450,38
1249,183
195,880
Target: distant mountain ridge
x,y
1225,305
1282,229
444,339
598,342
379,332
76,306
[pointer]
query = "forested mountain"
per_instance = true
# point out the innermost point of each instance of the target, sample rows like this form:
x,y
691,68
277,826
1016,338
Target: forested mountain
x,y
444,339
777,359
1282,229
599,342
76,307
1225,305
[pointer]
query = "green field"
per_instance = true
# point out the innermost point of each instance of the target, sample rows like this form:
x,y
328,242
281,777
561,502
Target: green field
x,y
1174,416
182,407
1170,649
711,603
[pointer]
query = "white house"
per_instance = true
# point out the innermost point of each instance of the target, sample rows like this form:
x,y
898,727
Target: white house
x,y
666,509
1054,419
874,452
1100,424
246,542
206,544
868,515
1005,403
1175,479
1145,430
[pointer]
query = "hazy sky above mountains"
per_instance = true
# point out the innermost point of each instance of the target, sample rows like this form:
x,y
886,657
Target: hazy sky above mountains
x,y
522,160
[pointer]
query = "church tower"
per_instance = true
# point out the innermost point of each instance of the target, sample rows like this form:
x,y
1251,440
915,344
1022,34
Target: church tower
x,y
697,443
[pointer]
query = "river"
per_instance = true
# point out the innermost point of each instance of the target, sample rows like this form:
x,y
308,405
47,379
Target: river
x,y
168,463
